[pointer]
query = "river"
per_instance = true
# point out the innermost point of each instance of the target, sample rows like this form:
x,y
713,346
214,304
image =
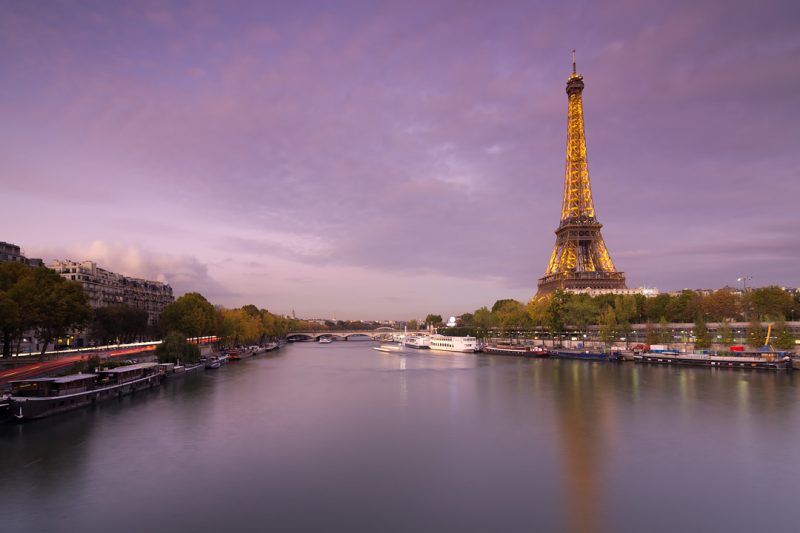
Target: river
x,y
340,437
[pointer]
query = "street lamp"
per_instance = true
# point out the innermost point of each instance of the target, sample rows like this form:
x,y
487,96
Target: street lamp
x,y
743,281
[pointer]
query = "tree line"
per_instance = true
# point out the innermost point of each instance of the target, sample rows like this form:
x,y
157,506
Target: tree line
x,y
192,316
563,312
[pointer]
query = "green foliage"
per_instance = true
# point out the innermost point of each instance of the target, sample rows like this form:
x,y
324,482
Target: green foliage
x,y
58,307
664,334
608,325
580,311
412,325
118,323
433,320
756,334
191,314
468,319
483,319
725,333
701,337
176,348
651,334
556,309
511,316
768,302
784,340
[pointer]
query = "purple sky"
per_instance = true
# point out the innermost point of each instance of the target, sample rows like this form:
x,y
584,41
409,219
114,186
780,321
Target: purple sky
x,y
391,159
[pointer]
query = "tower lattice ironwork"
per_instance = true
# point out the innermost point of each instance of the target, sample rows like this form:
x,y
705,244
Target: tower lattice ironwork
x,y
580,259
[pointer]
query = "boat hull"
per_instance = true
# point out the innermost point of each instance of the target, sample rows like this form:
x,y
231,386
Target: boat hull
x,y
24,408
586,355
745,363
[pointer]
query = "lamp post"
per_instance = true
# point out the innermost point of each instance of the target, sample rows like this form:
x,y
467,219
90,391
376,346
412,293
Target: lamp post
x,y
743,281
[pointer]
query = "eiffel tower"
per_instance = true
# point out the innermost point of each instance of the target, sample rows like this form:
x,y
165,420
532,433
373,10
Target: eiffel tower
x,y
580,259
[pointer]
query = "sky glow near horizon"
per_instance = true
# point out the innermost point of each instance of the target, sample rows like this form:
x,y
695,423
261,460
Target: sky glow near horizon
x,y
389,160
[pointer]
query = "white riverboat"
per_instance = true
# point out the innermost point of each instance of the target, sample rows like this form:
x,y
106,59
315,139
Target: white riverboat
x,y
444,343
417,341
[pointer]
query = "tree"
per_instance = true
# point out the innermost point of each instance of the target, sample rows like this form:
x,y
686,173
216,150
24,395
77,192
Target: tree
x,y
556,310
433,320
722,304
684,307
468,319
16,315
769,302
784,340
483,319
756,334
176,348
608,325
118,322
190,314
650,334
511,315
412,325
725,333
664,333
625,309
701,338
580,311
59,306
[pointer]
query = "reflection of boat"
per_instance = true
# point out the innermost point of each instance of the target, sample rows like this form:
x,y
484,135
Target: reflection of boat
x,y
325,340
417,341
388,349
454,344
39,397
516,349
587,355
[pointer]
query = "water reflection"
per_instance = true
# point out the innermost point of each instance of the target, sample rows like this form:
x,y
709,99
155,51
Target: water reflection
x,y
583,422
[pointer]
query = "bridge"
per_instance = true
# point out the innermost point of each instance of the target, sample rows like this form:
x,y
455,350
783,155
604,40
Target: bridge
x,y
381,333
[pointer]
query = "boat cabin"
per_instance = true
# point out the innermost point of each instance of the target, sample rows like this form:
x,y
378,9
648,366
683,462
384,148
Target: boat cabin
x,y
125,374
45,387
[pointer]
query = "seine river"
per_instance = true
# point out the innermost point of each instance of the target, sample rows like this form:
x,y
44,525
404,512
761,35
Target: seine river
x,y
340,437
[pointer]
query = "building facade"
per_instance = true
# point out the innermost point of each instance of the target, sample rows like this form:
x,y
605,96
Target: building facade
x,y
104,288
12,252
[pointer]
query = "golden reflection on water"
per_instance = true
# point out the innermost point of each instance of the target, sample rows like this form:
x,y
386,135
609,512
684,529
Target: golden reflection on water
x,y
583,423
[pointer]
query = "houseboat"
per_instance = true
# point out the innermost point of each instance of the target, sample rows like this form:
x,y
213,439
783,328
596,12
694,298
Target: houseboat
x,y
516,349
417,341
40,397
743,360
586,355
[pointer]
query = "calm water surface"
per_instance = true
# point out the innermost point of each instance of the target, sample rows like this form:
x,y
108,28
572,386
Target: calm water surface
x,y
340,437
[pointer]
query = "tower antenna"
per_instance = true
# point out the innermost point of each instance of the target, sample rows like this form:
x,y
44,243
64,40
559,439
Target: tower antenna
x,y
574,68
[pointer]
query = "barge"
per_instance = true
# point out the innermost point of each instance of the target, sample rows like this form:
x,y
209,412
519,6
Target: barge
x,y
587,355
515,349
748,360
41,397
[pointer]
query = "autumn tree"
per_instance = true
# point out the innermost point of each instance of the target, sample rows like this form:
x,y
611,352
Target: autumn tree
x,y
755,334
175,348
725,333
784,340
702,340
608,325
191,314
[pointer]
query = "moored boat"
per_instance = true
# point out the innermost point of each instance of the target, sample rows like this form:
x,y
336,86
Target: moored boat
x,y
445,343
417,341
516,349
586,355
747,360
40,397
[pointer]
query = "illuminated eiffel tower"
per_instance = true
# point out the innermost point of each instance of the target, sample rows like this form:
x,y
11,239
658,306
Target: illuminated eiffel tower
x,y
580,259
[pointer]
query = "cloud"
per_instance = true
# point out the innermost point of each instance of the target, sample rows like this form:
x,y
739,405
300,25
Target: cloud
x,y
184,273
